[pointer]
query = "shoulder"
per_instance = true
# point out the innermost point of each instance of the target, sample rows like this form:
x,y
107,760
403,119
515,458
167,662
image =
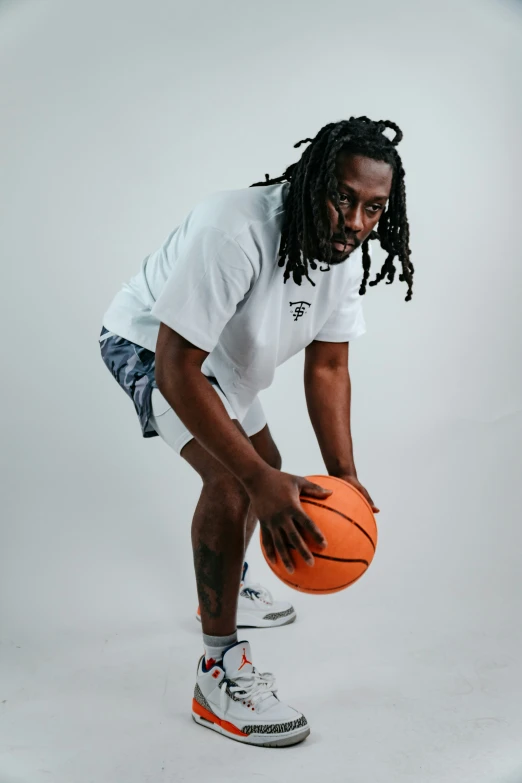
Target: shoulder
x,y
239,212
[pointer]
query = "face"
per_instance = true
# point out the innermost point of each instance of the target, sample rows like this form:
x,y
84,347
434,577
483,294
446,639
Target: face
x,y
364,187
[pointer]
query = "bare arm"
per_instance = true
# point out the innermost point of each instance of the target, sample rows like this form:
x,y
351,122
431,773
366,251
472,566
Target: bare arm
x,y
187,390
328,397
274,495
328,391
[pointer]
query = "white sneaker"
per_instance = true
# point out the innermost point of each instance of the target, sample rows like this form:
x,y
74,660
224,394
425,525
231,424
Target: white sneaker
x,y
256,607
236,700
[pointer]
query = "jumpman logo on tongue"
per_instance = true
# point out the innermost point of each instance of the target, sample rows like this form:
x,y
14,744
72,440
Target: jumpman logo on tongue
x,y
244,659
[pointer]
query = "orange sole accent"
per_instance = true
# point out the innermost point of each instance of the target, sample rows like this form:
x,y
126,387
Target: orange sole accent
x,y
203,713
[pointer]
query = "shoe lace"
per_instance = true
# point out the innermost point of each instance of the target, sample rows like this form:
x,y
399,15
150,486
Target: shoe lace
x,y
261,592
253,687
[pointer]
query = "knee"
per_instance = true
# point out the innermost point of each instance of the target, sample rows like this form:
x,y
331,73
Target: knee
x,y
266,448
275,460
271,455
226,492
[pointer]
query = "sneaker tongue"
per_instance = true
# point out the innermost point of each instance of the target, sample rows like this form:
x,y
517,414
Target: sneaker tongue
x,y
238,660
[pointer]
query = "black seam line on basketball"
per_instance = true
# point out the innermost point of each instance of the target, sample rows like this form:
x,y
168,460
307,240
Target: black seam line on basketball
x,y
334,510
341,559
324,589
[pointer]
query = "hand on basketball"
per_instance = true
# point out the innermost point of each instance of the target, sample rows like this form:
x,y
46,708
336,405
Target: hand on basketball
x,y
284,524
357,484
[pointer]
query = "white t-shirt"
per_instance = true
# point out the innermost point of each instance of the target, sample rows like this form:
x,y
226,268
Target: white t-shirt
x,y
216,281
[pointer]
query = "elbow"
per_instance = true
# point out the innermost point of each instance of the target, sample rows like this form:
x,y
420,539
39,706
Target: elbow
x,y
159,373
160,376
326,373
176,358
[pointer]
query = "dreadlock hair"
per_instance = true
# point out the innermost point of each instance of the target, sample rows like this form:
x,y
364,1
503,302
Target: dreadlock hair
x,y
306,227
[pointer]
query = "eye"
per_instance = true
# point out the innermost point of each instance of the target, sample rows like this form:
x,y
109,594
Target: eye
x,y
375,208
343,198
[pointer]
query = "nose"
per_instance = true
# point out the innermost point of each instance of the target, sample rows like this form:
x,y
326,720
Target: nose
x,y
354,219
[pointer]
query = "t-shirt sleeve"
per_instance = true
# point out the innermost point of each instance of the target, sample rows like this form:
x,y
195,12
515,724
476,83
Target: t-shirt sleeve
x,y
347,322
210,276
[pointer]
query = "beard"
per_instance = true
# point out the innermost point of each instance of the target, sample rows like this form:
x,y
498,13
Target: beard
x,y
338,256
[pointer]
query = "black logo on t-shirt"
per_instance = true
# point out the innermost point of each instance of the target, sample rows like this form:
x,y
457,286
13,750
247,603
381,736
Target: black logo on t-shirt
x,y
299,309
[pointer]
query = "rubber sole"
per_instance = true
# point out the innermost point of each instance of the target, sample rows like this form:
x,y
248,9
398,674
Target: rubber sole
x,y
282,741
245,620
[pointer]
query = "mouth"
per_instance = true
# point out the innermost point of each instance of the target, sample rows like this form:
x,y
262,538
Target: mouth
x,y
343,246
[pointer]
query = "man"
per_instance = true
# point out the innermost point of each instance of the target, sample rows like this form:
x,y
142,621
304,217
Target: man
x,y
199,332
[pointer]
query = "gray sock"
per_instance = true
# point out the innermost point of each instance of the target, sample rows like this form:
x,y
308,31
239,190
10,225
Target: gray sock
x,y
216,645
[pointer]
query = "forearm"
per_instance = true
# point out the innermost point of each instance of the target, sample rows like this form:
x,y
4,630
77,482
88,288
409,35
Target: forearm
x,y
328,398
198,406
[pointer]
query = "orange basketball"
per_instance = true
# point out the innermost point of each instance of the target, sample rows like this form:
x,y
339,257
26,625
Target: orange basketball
x,y
348,524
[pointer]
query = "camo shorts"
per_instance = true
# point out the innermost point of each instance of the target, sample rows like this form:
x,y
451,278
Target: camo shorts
x,y
134,368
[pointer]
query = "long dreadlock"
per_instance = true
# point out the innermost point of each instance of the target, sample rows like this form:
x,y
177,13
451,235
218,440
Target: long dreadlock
x,y
306,228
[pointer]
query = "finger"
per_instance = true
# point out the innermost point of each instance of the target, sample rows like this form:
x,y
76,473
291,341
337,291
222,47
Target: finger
x,y
370,501
312,529
283,552
368,497
372,504
297,542
268,545
314,490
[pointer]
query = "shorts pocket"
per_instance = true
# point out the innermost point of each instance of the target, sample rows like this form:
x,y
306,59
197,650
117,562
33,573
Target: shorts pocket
x,y
144,355
159,404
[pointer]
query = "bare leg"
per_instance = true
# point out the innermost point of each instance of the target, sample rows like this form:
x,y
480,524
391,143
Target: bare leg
x,y
251,523
219,530
218,541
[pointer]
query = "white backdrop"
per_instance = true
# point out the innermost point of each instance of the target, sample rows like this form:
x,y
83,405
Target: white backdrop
x,y
117,117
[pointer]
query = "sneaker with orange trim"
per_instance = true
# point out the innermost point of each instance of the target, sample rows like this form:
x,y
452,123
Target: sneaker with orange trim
x,y
234,699
256,607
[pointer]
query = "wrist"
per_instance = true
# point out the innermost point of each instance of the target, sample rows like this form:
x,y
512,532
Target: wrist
x,y
255,474
344,474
